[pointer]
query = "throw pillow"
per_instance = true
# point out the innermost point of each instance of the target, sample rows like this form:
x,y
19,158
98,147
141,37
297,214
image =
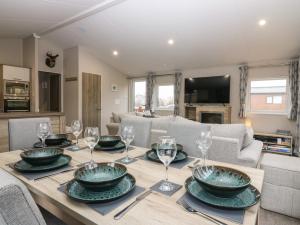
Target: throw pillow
x,y
248,139
116,118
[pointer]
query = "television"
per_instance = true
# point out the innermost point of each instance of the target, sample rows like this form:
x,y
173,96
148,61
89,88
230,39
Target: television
x,y
214,89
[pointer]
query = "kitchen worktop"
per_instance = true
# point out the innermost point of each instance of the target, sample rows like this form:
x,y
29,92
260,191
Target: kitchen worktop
x,y
10,115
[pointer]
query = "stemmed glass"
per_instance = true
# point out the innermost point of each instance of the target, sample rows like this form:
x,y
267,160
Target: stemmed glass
x,y
127,135
76,127
91,138
166,152
204,142
43,131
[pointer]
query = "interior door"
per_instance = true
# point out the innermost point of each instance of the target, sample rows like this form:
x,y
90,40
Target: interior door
x,y
91,100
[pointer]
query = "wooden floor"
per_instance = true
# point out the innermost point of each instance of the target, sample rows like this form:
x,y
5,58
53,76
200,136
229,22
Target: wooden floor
x,y
270,218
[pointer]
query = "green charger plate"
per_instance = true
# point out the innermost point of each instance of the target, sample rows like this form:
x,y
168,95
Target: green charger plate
x,y
77,192
249,197
152,155
25,167
65,144
118,146
179,147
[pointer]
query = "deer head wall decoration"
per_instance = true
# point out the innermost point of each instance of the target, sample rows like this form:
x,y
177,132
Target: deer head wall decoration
x,y
50,60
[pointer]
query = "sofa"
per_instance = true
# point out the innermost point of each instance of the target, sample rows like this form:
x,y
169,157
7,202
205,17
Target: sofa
x,y
232,143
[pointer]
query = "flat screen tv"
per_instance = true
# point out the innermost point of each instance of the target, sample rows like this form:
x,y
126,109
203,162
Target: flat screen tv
x,y
214,89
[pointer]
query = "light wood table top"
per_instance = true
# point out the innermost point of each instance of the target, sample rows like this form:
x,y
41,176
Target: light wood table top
x,y
155,209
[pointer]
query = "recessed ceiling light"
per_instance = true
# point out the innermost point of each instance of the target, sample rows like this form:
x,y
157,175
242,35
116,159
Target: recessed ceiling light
x,y
170,41
115,53
262,22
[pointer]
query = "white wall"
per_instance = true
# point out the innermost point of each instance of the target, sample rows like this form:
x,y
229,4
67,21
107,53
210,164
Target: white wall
x,y
110,101
11,51
260,123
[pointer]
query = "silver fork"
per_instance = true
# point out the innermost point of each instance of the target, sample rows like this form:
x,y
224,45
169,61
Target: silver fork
x,y
190,209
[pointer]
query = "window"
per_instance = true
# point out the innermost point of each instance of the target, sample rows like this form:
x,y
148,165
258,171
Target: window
x,y
165,97
268,96
139,95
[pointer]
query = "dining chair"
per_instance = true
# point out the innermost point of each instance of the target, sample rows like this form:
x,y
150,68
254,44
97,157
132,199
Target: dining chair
x,y
17,206
142,130
22,132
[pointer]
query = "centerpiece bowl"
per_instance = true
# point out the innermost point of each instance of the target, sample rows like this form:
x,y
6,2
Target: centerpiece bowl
x,y
221,181
103,176
109,140
55,139
41,156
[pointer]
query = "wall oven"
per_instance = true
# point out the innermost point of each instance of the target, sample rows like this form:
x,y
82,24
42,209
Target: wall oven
x,y
16,104
16,88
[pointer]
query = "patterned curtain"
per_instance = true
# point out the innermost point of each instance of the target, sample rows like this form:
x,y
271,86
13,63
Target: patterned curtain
x,y
297,138
149,91
177,88
243,90
294,87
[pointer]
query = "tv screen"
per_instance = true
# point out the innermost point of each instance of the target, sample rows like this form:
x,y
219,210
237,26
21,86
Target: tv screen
x,y
207,89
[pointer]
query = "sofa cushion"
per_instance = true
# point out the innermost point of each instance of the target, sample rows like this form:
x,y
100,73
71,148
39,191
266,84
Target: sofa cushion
x,y
251,154
230,131
248,139
281,170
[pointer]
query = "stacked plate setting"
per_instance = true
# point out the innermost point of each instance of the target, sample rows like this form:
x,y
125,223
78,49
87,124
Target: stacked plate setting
x,y
106,182
41,160
180,156
110,143
222,187
55,140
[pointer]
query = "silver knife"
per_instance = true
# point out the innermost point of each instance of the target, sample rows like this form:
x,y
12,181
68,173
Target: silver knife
x,y
120,214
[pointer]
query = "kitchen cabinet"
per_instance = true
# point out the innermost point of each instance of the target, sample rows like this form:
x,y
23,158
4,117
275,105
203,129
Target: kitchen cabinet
x,y
15,73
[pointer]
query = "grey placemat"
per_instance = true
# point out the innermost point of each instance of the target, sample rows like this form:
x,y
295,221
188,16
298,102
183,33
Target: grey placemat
x,y
236,216
117,151
155,187
72,149
177,165
120,160
107,207
39,175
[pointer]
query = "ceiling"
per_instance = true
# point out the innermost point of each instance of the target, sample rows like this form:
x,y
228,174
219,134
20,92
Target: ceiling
x,y
20,18
205,33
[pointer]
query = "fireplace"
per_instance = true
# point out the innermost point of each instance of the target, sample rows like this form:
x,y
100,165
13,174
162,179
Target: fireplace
x,y
211,117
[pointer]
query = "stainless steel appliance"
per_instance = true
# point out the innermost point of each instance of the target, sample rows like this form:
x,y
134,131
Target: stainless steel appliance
x,y
15,88
16,104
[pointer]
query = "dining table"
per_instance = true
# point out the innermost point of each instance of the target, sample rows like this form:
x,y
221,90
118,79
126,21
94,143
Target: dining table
x,y
155,209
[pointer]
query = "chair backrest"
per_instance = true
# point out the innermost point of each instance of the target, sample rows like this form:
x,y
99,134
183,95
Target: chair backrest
x,y
186,134
142,130
22,132
17,206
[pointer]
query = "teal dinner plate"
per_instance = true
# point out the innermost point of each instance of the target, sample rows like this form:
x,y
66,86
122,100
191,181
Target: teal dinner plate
x,y
120,145
79,193
104,175
249,197
221,181
25,167
152,155
179,147
65,144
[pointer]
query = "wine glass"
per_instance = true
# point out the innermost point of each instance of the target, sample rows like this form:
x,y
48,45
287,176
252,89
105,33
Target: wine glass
x,y
91,138
43,131
127,135
204,142
76,127
166,152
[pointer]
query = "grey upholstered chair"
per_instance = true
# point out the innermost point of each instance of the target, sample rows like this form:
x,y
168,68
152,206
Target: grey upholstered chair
x,y
22,132
142,130
16,204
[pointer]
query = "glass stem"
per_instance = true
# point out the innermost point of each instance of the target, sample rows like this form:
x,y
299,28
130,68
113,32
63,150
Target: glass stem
x,y
127,155
76,140
43,142
167,167
92,154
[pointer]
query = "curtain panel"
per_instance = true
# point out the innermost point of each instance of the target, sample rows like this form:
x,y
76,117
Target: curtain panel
x,y
297,137
177,88
243,90
294,88
149,90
